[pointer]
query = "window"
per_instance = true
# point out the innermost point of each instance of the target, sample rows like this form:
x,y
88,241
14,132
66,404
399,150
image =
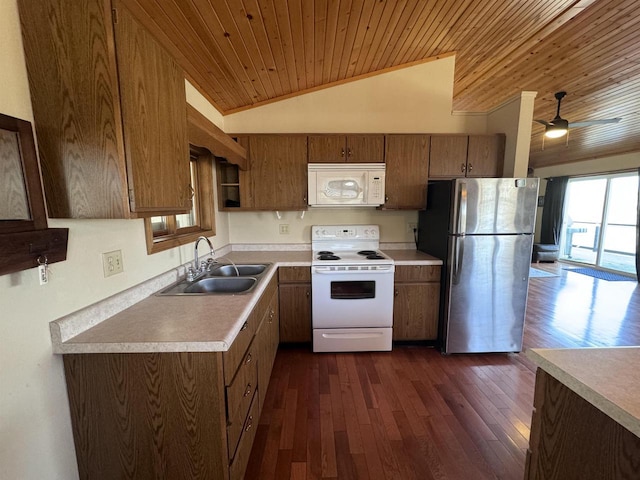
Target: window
x,y
599,224
173,230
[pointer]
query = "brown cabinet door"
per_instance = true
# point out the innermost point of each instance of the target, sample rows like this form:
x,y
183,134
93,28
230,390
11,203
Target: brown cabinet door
x,y
79,136
278,172
327,148
365,148
295,313
154,120
415,311
448,158
112,131
486,155
407,170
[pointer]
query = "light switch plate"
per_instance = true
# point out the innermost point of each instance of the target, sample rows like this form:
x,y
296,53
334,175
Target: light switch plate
x,y
284,229
112,263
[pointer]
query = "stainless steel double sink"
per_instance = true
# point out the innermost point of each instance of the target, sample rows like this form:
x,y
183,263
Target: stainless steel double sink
x,y
221,279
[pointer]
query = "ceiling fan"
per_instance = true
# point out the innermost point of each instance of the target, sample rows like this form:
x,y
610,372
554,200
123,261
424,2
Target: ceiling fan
x,y
558,127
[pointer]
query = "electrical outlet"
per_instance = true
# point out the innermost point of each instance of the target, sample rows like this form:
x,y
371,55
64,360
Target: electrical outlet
x,y
411,227
112,263
284,229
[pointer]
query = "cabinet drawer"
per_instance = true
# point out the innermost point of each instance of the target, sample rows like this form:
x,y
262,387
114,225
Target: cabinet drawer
x,y
241,390
294,275
239,462
239,395
231,358
417,273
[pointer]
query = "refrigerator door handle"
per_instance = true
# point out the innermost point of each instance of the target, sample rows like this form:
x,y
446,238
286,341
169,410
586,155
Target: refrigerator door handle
x,y
462,208
458,253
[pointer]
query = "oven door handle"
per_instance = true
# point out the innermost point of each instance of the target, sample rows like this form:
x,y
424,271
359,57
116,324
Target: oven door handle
x,y
328,271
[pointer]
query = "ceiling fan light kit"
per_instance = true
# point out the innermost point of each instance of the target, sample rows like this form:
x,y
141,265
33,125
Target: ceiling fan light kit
x,y
559,127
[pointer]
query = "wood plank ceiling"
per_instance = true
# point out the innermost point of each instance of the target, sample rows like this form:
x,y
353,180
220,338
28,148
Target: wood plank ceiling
x,y
242,53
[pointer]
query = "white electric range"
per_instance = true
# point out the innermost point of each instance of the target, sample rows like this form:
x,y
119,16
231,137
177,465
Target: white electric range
x,y
352,289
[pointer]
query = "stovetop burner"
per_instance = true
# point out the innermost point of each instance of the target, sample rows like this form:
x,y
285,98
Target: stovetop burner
x,y
375,256
325,252
328,257
367,252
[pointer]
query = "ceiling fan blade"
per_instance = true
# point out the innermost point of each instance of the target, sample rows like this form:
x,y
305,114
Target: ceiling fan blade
x,y
546,124
589,123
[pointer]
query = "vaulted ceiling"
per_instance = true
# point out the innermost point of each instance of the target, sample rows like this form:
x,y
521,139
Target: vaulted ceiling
x,y
242,53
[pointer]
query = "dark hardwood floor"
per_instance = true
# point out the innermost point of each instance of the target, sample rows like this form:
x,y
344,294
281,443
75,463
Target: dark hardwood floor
x,y
416,414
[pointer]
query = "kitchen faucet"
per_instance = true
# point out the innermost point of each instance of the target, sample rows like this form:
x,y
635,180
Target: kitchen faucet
x,y
199,268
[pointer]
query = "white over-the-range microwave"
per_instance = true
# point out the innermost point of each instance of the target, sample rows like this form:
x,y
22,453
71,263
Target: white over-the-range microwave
x,y
346,184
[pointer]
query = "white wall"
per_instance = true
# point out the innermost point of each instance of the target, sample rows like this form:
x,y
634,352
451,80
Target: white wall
x,y
35,429
514,118
415,99
626,161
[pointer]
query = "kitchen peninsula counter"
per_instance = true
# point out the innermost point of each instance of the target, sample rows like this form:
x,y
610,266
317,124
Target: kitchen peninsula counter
x,y
151,323
586,421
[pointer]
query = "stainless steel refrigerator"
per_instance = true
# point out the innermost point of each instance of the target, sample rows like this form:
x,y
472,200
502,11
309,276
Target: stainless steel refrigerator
x,y
482,229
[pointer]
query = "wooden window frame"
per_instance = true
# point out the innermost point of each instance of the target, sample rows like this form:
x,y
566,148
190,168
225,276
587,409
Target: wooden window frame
x,y
204,202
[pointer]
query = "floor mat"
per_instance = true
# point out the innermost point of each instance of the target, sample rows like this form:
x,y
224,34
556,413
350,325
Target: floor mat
x,y
602,275
536,273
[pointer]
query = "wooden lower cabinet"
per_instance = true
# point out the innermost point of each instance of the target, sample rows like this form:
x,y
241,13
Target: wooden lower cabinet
x,y
185,415
295,304
573,440
267,339
416,302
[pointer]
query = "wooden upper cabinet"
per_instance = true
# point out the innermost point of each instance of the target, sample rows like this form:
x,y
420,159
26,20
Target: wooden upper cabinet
x,y
485,157
448,157
363,148
454,156
278,169
407,171
110,111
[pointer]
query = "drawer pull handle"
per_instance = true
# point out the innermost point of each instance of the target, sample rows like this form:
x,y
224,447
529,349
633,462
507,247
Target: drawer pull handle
x,y
249,423
248,360
247,392
245,325
396,293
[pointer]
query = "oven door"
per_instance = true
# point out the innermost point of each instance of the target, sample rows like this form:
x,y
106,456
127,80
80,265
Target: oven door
x,y
352,297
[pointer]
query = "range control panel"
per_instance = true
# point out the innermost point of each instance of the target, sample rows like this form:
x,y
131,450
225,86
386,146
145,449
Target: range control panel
x,y
345,232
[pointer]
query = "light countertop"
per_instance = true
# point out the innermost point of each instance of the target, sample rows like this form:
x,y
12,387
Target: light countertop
x,y
608,378
207,323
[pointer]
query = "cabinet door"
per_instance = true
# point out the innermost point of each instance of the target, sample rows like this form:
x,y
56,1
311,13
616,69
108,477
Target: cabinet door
x,y
415,311
278,172
365,148
448,157
266,343
80,142
486,155
327,148
407,170
295,312
154,120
